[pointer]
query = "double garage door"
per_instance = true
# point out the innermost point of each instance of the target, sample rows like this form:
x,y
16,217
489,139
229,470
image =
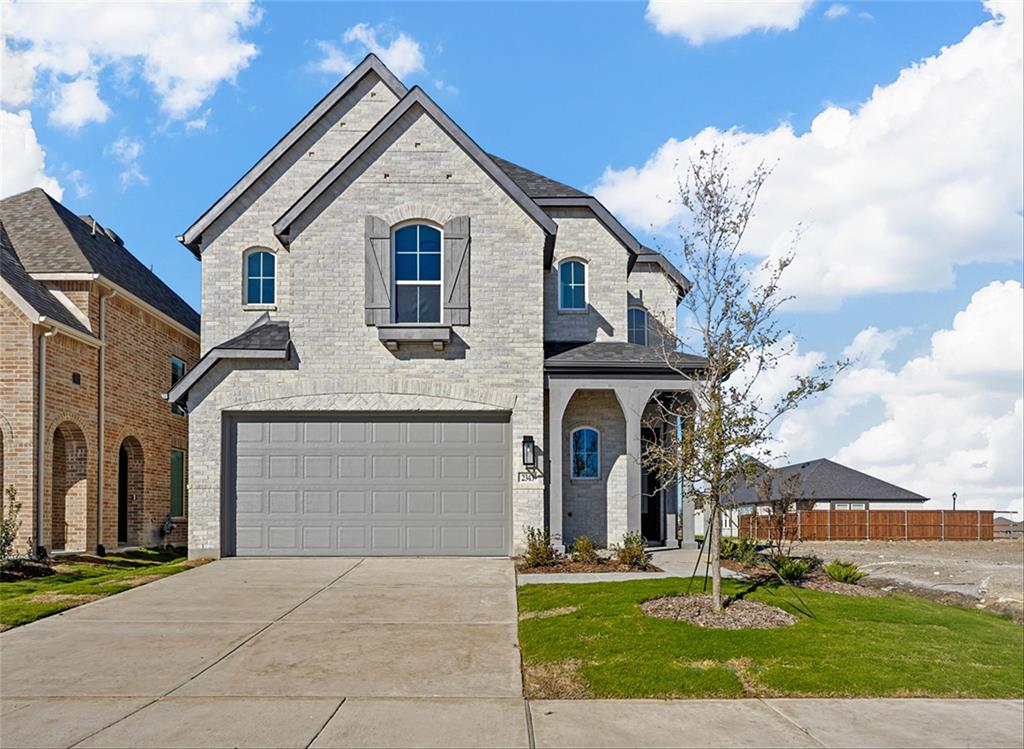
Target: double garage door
x,y
339,485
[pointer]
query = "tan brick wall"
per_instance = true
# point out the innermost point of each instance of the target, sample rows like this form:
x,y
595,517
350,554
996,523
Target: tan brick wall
x,y
138,350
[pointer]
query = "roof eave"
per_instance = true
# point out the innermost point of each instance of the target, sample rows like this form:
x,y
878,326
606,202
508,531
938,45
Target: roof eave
x,y
416,96
193,236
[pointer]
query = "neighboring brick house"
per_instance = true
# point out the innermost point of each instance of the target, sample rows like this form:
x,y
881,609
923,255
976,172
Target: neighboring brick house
x,y
398,327
91,339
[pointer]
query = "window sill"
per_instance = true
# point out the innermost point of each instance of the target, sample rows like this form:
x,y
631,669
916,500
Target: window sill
x,y
259,307
394,336
573,311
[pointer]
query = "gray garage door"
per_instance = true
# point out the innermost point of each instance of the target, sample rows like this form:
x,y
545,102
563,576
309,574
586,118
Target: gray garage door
x,y
309,485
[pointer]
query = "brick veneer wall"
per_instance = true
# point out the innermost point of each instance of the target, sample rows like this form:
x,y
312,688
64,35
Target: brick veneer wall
x,y
137,364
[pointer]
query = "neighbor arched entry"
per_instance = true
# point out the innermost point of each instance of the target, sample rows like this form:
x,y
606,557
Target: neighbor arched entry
x,y
130,473
69,489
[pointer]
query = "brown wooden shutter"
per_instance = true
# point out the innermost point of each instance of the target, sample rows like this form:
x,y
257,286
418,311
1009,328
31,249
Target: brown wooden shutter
x,y
378,271
456,271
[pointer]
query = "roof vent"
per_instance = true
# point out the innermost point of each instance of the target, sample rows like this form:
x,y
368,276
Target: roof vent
x,y
113,235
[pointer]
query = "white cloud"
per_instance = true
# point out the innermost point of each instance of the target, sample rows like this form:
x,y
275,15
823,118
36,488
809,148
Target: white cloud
x,y
923,176
836,10
77,180
17,79
78,103
402,55
199,122
126,152
24,160
953,418
183,50
445,88
700,21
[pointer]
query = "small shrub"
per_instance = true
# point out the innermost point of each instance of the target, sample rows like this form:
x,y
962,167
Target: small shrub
x,y
539,551
10,523
742,550
631,552
792,570
844,572
583,551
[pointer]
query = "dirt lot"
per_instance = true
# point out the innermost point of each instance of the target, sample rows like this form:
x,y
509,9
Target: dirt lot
x,y
989,574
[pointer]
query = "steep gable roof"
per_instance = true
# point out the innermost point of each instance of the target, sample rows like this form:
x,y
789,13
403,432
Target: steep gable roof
x,y
193,235
416,97
29,293
49,239
537,185
824,479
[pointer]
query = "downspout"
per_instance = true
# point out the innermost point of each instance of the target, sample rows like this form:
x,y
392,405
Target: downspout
x,y
40,551
100,420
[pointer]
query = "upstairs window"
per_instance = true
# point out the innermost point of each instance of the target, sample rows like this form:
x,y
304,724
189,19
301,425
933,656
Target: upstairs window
x,y
572,285
177,372
417,274
260,276
586,453
637,325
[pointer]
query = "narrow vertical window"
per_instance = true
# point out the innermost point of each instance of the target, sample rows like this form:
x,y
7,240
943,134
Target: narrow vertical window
x,y
260,277
177,372
177,483
572,285
637,325
417,274
586,453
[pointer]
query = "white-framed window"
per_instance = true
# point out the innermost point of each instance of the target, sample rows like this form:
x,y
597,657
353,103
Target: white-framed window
x,y
585,453
417,274
849,506
260,277
572,284
637,325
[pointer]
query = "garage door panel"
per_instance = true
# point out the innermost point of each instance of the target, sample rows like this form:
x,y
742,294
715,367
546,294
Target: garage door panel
x,y
319,486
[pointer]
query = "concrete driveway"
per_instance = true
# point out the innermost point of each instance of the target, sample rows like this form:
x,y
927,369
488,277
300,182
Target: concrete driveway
x,y
276,652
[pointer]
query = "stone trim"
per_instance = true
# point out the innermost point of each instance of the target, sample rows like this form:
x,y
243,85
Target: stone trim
x,y
412,211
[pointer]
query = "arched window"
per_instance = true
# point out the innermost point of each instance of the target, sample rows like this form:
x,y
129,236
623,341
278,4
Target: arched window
x,y
637,325
586,453
260,277
572,285
417,274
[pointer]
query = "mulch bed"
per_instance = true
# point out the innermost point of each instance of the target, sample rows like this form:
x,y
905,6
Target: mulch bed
x,y
826,584
571,567
25,569
739,614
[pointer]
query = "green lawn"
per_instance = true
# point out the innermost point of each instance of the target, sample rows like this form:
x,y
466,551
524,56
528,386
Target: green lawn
x,y
851,646
82,580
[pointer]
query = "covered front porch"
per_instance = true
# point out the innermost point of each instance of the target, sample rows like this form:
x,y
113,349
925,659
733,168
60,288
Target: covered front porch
x,y
605,402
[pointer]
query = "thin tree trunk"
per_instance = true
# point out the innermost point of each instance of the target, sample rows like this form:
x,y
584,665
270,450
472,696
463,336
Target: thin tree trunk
x,y
716,562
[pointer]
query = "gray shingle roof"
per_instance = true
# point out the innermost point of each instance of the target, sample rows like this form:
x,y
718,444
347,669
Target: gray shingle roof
x,y
48,238
269,335
614,355
536,185
32,291
825,480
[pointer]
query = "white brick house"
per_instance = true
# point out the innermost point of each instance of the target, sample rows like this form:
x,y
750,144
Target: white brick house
x,y
391,316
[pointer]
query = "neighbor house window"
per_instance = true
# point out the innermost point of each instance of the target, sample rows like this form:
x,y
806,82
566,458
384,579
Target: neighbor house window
x,y
260,275
177,372
177,483
572,285
417,274
586,453
637,325
849,506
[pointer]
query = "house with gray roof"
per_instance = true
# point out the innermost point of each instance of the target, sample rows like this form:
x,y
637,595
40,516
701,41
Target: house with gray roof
x,y
91,340
413,346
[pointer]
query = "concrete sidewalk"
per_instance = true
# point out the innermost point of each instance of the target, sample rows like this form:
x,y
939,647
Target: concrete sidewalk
x,y
673,562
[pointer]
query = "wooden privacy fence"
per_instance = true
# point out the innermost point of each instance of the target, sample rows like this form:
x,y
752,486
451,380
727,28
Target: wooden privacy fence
x,y
872,525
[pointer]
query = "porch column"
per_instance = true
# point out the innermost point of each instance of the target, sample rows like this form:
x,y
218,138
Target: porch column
x,y
559,394
624,511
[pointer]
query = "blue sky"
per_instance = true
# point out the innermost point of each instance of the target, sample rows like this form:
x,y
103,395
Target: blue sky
x,y
587,94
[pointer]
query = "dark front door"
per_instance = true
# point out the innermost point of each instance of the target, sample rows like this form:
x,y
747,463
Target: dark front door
x,y
651,512
122,496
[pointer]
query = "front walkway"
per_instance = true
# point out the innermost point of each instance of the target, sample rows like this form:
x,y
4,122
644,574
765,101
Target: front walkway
x,y
378,652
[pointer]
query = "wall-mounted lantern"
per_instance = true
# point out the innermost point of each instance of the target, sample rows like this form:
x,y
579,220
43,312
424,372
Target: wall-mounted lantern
x,y
529,452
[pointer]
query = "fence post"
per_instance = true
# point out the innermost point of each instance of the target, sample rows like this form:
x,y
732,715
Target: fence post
x,y
828,531
867,522
906,526
942,525
977,524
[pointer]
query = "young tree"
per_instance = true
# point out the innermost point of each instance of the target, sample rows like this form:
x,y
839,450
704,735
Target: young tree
x,y
778,497
732,308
